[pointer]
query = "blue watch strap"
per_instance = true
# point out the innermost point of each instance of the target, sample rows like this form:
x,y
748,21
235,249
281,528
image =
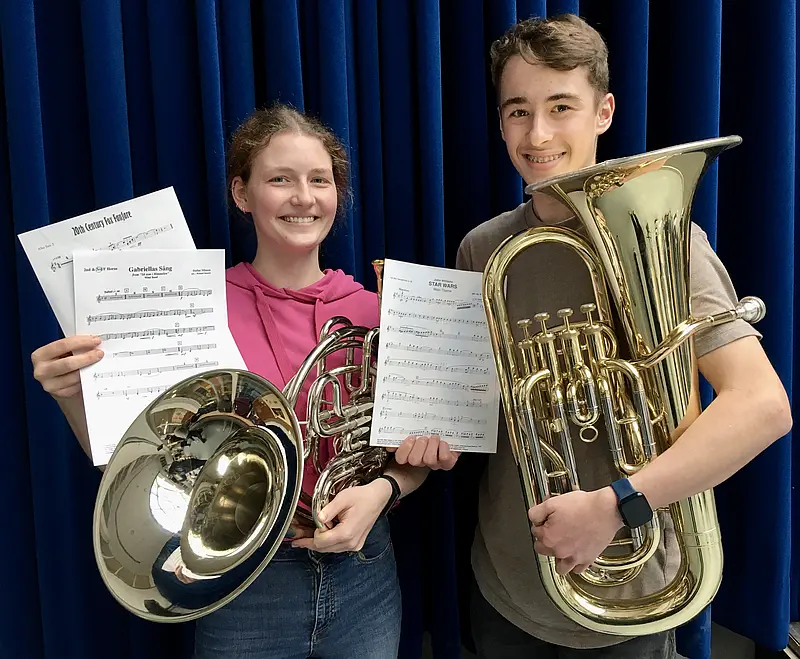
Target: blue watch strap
x,y
622,488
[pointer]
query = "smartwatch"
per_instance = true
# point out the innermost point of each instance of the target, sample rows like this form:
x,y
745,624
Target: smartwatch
x,y
632,504
394,496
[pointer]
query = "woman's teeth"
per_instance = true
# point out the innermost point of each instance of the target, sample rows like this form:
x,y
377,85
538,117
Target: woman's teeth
x,y
298,220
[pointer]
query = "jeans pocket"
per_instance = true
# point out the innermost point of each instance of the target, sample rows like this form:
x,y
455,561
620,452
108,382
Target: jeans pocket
x,y
378,543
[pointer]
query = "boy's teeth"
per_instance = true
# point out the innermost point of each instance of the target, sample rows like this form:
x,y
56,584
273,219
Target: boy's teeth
x,y
298,220
545,159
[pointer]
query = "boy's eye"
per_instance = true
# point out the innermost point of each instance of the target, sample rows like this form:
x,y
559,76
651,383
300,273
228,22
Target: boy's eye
x,y
519,112
561,108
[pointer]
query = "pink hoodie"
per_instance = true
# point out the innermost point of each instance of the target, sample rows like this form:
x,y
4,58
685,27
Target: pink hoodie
x,y
276,328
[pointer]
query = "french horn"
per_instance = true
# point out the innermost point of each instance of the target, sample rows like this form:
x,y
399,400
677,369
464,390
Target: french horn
x,y
209,476
560,380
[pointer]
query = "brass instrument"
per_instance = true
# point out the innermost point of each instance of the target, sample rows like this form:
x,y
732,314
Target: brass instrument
x,y
635,214
214,467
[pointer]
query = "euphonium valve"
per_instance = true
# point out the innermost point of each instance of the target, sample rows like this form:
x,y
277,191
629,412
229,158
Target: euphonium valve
x,y
630,378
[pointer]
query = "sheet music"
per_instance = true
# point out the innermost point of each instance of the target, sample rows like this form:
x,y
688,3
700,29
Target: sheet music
x,y
436,371
162,317
153,221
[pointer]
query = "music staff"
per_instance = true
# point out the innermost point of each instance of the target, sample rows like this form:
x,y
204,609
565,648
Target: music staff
x,y
481,387
439,350
149,313
132,391
155,370
169,350
436,319
433,400
425,333
146,334
402,296
429,366
127,242
147,295
432,416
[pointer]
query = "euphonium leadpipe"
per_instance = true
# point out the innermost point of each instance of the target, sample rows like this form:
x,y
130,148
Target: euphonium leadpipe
x,y
214,467
635,214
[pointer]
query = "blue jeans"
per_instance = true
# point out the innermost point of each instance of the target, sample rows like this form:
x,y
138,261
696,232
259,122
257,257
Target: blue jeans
x,y
306,604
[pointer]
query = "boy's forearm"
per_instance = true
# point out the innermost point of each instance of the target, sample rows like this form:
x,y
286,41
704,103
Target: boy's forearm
x,y
734,429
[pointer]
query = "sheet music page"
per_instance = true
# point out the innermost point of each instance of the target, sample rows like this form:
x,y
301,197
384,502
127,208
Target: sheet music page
x,y
436,370
162,316
153,221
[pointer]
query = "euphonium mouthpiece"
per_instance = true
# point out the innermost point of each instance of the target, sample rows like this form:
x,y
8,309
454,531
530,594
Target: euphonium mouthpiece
x,y
752,309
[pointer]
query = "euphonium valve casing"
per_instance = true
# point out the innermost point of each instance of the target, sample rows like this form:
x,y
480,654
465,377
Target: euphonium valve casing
x,y
634,238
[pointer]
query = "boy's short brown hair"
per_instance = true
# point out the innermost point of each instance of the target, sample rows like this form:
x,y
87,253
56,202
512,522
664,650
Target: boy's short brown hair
x,y
562,42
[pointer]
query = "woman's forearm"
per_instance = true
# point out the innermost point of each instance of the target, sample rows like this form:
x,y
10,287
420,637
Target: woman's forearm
x,y
75,414
408,478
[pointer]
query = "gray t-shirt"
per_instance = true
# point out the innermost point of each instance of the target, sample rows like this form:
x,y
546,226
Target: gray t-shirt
x,y
547,278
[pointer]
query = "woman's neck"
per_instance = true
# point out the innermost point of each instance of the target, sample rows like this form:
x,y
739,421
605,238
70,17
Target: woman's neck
x,y
288,270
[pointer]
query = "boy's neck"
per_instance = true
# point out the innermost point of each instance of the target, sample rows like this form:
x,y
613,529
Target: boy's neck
x,y
550,210
288,270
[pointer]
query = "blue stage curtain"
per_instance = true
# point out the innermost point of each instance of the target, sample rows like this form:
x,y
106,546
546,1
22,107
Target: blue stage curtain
x,y
102,100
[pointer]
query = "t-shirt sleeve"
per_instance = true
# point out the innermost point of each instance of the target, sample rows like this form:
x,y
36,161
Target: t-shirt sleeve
x,y
712,292
464,255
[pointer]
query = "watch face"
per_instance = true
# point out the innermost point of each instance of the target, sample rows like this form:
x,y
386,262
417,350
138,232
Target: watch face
x,y
636,511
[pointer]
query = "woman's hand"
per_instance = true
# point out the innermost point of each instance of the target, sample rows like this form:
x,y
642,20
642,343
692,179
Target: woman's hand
x,y
56,366
425,451
356,509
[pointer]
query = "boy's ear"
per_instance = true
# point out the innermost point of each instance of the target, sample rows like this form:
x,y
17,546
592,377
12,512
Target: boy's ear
x,y
605,113
500,120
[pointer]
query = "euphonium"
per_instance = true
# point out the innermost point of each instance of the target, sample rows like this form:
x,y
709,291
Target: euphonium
x,y
556,380
214,466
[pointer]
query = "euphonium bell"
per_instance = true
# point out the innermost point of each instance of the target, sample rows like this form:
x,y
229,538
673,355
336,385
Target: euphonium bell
x,y
563,378
209,476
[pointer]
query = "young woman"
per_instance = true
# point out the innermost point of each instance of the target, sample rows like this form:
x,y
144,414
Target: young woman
x,y
331,593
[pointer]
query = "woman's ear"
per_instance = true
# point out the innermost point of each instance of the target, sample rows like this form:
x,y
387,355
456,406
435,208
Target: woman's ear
x,y
239,194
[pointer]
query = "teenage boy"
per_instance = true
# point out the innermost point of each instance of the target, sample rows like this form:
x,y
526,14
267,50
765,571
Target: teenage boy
x,y
551,80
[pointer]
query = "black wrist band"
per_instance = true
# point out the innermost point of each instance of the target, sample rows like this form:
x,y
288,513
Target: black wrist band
x,y
394,496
